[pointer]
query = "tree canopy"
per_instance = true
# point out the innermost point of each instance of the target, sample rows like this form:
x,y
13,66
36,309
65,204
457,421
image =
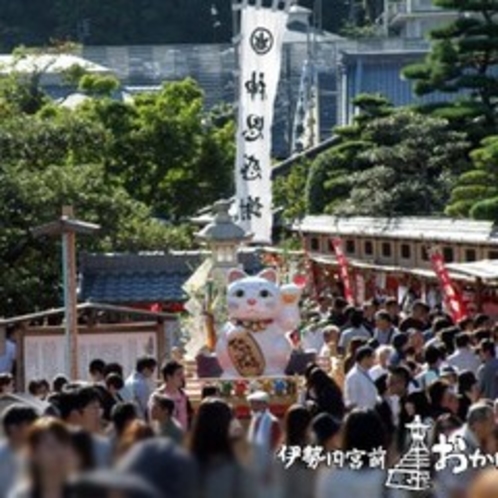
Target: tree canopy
x,y
135,168
462,64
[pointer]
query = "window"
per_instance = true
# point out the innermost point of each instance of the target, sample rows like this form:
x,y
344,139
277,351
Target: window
x,y
406,251
492,254
369,250
448,254
315,244
350,246
386,249
424,255
470,255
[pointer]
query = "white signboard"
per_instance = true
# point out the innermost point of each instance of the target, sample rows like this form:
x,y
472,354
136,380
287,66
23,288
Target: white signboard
x,y
260,54
44,356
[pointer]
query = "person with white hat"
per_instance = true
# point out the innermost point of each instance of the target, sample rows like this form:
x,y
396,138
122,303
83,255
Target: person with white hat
x,y
264,436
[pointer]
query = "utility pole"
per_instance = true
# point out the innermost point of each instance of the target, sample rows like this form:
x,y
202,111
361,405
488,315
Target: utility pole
x,y
67,227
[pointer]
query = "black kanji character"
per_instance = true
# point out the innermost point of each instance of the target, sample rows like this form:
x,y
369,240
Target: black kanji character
x,y
250,207
251,170
255,86
255,126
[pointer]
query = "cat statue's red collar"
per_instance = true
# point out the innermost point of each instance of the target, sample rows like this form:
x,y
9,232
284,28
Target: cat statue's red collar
x,y
253,325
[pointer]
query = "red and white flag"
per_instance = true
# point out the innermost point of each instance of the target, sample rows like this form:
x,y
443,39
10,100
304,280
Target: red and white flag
x,y
343,269
453,301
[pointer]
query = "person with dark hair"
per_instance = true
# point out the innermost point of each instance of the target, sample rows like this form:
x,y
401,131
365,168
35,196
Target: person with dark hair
x,y
49,461
417,404
359,388
363,431
324,392
110,393
464,358
297,481
36,389
355,330
468,393
162,409
16,422
337,314
173,375
401,346
350,359
488,371
6,383
96,369
442,399
430,372
221,476
482,321
418,318
113,368
122,414
446,424
327,432
80,406
384,328
58,383
138,383
393,308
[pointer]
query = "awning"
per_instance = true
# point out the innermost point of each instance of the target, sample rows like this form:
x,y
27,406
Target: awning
x,y
419,272
486,269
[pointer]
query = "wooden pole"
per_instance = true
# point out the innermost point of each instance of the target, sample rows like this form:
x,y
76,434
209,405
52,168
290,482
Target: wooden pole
x,y
70,296
67,227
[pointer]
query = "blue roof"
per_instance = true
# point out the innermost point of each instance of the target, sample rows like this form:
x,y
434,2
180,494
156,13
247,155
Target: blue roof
x,y
134,287
144,278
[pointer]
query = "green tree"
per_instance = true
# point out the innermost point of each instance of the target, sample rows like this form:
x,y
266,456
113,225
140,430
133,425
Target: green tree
x,y
288,191
399,164
476,192
168,152
328,180
461,64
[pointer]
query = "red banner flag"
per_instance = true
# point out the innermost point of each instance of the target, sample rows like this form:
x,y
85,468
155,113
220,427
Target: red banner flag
x,y
343,269
452,299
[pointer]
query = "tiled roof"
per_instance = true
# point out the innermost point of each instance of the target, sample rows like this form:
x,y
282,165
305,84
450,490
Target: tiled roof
x,y
423,228
144,278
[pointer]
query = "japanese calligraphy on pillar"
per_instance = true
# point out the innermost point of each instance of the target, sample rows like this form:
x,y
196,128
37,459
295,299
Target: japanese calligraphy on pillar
x,y
260,50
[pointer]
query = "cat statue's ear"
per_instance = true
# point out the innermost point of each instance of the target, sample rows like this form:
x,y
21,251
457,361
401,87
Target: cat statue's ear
x,y
235,275
270,275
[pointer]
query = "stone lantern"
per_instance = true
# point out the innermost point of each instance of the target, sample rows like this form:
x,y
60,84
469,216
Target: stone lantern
x,y
223,237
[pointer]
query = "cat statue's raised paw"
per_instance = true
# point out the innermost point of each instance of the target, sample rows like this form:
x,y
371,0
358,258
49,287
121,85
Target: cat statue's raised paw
x,y
261,313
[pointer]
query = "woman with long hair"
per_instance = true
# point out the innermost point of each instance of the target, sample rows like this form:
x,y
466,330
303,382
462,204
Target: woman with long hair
x,y
221,475
364,432
49,454
296,481
326,395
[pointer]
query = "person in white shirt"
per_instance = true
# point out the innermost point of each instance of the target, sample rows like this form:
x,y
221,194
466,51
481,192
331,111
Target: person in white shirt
x,y
312,337
359,388
382,355
464,358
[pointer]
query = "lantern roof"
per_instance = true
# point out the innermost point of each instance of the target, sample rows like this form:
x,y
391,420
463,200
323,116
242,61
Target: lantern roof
x,y
223,229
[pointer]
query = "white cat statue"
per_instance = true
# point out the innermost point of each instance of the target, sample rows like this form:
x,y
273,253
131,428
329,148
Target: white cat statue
x,y
254,342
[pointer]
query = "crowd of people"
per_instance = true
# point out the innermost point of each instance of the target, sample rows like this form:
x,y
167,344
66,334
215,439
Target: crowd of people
x,y
124,435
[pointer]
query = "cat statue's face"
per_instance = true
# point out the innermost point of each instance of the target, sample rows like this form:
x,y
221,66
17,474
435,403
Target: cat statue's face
x,y
253,298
